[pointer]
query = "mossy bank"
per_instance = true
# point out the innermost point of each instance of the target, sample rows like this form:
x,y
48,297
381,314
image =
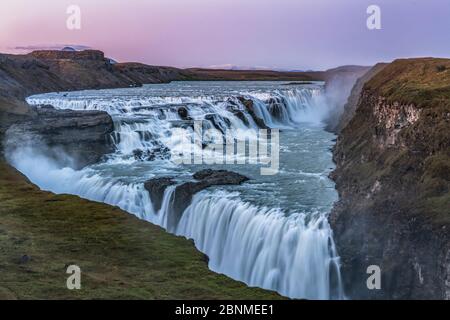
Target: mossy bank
x,y
120,256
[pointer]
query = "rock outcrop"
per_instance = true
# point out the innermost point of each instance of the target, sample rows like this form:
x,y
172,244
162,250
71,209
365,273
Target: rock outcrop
x,y
393,178
205,179
68,55
249,106
83,136
156,188
183,194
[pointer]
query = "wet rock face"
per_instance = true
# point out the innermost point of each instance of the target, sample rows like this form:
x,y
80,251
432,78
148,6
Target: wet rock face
x,y
158,152
392,174
83,136
392,119
216,122
238,113
183,113
156,188
206,178
276,107
249,106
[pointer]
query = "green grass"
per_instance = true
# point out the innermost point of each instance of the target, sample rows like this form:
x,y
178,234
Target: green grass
x,y
121,257
423,82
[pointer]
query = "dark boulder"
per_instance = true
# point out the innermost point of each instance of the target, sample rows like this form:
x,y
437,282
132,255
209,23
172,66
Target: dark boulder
x,y
219,177
277,105
24,259
206,178
250,107
156,188
183,113
138,154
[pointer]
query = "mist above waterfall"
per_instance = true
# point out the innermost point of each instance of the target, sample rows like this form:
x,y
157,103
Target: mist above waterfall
x,y
337,92
41,163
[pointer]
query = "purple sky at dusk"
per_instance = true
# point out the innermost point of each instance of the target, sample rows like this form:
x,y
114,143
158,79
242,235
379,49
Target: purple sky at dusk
x,y
290,34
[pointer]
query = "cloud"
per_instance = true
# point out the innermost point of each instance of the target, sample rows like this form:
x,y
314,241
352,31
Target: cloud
x,y
51,47
228,66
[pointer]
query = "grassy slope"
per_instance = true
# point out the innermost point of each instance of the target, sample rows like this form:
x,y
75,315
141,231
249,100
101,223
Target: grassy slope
x,y
423,82
121,257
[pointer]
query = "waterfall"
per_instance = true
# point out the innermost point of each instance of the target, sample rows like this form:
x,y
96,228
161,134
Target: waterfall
x,y
145,122
262,247
166,207
292,253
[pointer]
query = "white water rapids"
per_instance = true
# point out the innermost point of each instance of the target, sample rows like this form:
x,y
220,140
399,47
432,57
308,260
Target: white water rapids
x,y
271,232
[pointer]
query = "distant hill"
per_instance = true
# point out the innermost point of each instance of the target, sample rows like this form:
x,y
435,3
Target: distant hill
x,y
68,49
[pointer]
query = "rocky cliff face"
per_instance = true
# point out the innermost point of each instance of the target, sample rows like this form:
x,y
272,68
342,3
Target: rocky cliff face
x,y
78,138
68,55
393,177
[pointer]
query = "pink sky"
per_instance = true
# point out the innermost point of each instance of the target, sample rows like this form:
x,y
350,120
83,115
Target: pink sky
x,y
292,34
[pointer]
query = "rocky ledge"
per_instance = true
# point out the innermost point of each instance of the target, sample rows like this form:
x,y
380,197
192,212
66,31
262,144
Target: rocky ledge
x,y
83,136
184,192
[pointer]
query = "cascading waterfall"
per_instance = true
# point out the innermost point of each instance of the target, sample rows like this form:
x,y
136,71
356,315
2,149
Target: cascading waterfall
x,y
263,247
290,252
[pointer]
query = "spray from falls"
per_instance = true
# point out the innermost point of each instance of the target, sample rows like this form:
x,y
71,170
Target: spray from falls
x,y
292,253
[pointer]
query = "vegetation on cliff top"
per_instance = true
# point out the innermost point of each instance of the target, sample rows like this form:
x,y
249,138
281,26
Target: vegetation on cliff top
x,y
120,256
422,82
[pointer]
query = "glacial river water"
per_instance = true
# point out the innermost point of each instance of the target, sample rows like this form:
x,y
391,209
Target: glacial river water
x,y
270,232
